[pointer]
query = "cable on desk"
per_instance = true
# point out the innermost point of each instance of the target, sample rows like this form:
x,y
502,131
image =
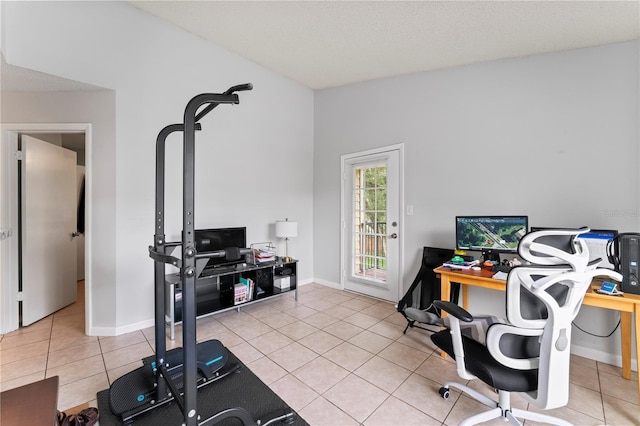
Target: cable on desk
x,y
596,335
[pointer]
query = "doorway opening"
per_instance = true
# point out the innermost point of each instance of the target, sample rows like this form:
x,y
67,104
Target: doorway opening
x,y
74,137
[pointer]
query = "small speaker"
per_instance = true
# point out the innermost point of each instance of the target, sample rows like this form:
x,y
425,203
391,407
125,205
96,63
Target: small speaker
x,y
286,271
629,260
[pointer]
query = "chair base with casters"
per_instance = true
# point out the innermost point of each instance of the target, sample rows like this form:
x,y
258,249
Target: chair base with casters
x,y
499,409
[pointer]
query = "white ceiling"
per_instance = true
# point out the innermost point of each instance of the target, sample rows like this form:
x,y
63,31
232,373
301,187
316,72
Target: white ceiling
x,y
323,44
331,43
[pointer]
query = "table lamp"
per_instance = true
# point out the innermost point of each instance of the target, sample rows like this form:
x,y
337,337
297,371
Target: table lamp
x,y
286,229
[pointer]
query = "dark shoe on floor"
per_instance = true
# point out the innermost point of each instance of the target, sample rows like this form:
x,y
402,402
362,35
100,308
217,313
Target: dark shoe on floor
x,y
63,419
87,417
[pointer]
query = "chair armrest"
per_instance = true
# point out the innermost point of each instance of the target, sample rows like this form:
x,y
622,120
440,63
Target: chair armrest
x,y
456,314
453,309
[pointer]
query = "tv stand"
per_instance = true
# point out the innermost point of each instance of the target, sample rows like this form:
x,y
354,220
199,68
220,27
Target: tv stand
x,y
215,292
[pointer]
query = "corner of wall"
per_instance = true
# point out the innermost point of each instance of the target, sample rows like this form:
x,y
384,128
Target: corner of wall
x,y
2,27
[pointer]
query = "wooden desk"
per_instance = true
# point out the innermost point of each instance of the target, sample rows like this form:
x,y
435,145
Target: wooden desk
x,y
35,404
627,305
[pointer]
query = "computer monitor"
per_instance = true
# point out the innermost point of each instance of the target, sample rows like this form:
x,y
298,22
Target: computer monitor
x,y
491,235
209,240
597,240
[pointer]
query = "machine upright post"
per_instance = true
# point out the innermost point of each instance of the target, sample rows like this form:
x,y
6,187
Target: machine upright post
x,y
159,241
188,274
189,251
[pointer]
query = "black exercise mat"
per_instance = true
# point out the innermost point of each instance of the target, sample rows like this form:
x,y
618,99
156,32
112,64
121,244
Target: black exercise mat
x,y
241,389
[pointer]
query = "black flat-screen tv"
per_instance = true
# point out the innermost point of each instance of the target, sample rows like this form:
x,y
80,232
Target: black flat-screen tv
x,y
490,234
210,240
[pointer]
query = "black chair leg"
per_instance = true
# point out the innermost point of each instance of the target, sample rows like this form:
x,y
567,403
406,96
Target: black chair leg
x,y
410,324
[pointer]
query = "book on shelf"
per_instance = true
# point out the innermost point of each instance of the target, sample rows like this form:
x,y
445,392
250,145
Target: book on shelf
x,y
248,283
240,294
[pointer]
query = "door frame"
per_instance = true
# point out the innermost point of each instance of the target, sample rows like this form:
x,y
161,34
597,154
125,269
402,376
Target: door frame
x,y
9,319
344,234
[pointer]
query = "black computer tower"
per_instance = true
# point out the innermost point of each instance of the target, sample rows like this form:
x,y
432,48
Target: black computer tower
x,y
629,245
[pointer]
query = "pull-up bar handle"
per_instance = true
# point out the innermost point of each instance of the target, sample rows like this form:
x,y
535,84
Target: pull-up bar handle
x,y
239,88
229,91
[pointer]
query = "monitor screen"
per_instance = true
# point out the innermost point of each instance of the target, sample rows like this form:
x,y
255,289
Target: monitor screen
x,y
209,240
490,234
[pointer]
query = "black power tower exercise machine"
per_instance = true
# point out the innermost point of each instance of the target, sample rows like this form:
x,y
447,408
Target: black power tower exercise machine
x,y
175,376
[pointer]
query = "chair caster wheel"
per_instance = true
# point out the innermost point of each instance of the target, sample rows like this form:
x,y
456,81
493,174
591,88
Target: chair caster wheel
x,y
444,392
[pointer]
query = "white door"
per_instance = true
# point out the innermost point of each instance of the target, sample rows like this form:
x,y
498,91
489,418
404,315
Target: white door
x,y
48,222
371,223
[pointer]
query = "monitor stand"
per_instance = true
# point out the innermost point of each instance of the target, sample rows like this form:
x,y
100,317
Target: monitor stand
x,y
491,256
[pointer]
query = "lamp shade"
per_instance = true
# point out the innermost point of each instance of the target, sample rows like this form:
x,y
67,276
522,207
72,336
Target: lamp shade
x,y
286,229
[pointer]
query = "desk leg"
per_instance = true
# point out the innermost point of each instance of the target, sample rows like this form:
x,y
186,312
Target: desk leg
x,y
445,293
465,297
445,289
625,337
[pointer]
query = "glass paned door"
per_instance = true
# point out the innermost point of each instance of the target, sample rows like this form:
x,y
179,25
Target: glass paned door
x,y
371,224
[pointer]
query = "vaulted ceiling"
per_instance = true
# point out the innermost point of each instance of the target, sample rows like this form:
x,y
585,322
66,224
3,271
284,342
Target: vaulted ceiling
x,y
331,43
323,44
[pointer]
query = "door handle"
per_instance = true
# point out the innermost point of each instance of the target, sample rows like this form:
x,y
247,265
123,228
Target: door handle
x,y
75,234
394,236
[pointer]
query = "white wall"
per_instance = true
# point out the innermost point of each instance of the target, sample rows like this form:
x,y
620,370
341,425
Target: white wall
x,y
97,108
254,160
552,136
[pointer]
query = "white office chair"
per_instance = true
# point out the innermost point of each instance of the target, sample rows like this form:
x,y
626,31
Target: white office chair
x,y
529,352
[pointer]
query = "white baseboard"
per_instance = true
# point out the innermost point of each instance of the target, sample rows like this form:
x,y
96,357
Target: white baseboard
x,y
101,331
305,282
117,331
597,355
327,283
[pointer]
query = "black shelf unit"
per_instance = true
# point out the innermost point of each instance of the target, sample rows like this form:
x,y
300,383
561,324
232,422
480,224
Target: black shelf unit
x,y
215,293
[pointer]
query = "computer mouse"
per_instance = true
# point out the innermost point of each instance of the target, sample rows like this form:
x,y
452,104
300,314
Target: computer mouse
x,y
476,268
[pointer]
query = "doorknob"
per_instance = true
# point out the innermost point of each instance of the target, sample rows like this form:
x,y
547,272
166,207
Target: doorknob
x,y
394,236
75,234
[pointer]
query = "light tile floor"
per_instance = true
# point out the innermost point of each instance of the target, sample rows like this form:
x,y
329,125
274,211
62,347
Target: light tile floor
x,y
337,358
